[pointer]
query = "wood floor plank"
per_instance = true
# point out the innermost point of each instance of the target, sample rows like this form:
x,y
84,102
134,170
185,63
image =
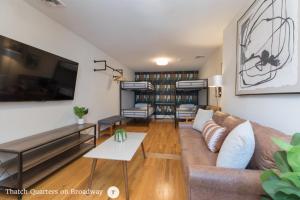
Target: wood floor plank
x,y
164,156
159,177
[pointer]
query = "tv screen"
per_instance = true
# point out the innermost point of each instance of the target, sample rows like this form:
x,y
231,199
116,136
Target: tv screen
x,y
31,74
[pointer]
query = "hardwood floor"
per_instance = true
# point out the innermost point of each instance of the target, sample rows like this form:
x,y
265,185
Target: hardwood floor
x,y
159,177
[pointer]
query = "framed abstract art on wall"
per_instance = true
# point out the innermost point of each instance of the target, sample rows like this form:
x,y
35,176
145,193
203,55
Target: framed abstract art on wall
x,y
267,48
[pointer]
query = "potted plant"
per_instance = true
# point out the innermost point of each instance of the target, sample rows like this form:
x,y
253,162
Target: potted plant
x,y
284,183
80,112
120,135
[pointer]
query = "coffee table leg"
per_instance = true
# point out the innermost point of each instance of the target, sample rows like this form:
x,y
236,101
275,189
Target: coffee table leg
x,y
124,164
92,173
143,149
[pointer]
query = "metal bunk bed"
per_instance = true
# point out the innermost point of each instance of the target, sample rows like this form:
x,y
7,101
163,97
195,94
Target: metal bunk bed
x,y
188,110
141,110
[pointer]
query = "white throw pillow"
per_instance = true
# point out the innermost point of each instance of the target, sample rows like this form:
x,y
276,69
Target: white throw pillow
x,y
202,117
238,148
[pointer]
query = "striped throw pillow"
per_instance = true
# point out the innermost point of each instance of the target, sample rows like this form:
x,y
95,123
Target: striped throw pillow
x,y
214,135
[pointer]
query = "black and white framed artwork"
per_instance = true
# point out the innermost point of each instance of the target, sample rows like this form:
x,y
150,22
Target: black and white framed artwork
x,y
267,48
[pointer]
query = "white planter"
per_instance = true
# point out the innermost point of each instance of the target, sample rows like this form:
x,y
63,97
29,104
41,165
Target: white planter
x,y
80,121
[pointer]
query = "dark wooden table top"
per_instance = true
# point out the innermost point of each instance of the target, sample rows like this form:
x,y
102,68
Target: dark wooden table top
x,y
27,143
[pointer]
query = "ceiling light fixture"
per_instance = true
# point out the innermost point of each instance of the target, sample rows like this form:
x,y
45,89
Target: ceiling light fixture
x,y
199,57
162,61
55,3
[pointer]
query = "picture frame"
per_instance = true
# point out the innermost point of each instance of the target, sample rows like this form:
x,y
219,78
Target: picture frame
x,y
267,49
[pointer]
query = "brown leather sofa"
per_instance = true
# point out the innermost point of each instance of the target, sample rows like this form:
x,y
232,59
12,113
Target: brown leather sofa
x,y
205,181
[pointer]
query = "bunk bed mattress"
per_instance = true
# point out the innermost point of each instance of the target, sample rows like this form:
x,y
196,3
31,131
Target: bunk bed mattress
x,y
185,113
143,85
137,112
191,84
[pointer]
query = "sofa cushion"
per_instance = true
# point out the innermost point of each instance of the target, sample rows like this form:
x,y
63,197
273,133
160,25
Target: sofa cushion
x,y
238,147
202,117
265,147
214,135
219,117
194,149
231,122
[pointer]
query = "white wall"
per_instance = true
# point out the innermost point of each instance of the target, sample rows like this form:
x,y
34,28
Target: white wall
x,y
277,111
96,91
212,67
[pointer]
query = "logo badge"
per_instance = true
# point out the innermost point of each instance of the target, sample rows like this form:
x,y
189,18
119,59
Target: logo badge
x,y
113,192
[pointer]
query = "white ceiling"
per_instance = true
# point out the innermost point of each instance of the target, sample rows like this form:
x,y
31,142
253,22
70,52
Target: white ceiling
x,y
134,32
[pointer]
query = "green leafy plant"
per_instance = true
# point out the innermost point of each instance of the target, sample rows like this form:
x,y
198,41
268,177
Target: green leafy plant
x,y
284,183
80,111
120,135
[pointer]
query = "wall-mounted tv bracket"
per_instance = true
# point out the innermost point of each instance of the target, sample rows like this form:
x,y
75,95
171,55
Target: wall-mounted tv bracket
x,y
120,71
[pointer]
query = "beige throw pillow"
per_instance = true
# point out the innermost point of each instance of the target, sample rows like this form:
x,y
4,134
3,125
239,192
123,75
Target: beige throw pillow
x,y
214,135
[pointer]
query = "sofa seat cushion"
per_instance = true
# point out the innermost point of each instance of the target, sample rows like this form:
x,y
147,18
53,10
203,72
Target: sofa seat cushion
x,y
194,149
209,181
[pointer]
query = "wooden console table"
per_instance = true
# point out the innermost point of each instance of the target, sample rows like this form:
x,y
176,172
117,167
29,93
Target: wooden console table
x,y
31,159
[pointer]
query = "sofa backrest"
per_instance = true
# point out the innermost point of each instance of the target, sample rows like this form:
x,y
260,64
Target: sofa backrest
x,y
219,117
231,122
264,146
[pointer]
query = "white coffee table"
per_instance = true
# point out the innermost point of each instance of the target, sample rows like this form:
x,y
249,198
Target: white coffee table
x,y
112,150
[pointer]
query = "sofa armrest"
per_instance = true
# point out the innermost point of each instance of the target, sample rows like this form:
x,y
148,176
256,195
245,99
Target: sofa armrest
x,y
224,179
185,125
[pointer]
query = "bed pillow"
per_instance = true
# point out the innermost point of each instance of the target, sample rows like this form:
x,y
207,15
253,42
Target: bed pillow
x,y
238,148
202,117
214,135
141,105
188,106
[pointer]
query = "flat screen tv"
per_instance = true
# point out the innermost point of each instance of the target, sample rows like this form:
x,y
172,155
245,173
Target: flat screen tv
x,y
31,74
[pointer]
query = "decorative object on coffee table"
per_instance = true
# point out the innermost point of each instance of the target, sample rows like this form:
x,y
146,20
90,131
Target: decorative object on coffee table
x,y
267,48
120,135
80,112
285,183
